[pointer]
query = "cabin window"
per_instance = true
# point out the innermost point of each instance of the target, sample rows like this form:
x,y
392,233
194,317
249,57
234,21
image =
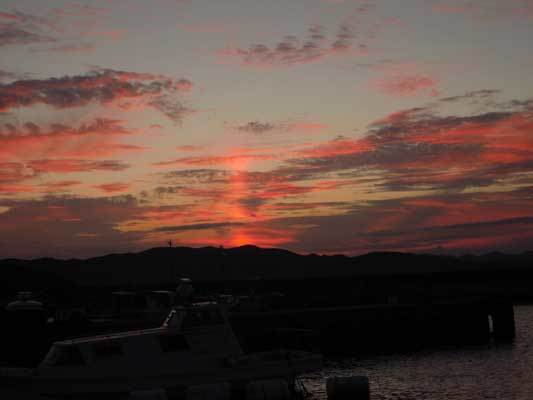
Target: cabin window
x,y
202,318
140,301
67,356
215,317
172,343
107,349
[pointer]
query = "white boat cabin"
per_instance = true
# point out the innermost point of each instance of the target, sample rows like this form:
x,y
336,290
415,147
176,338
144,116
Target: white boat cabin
x,y
189,334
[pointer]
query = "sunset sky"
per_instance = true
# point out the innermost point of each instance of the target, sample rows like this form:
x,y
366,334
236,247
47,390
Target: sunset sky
x,y
327,126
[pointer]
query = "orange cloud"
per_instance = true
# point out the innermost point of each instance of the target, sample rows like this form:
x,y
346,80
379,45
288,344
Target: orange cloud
x,y
338,146
97,139
113,187
16,188
71,165
58,186
233,160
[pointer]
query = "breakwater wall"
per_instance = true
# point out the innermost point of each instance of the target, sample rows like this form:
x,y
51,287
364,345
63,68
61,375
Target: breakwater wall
x,y
378,327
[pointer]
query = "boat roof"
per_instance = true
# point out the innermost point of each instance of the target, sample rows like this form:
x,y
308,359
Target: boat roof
x,y
111,336
136,333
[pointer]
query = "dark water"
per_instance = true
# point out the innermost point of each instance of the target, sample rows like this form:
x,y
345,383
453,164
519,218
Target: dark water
x,y
500,372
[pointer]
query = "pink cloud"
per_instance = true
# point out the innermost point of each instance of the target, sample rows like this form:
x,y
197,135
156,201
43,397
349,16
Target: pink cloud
x,y
13,172
407,85
307,127
397,117
204,27
336,147
404,80
445,8
484,11
487,207
18,28
75,227
263,127
291,50
9,16
184,85
505,139
334,1
420,149
70,48
190,148
113,34
100,86
78,10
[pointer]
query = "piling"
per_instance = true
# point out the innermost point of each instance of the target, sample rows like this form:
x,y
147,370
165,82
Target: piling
x,y
503,323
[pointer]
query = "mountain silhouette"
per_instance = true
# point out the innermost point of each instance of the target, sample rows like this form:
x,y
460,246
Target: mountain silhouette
x,y
164,265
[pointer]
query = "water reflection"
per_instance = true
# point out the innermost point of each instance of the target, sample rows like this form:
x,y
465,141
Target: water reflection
x,y
450,373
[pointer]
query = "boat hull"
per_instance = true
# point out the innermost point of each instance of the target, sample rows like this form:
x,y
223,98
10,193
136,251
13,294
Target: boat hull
x,y
238,373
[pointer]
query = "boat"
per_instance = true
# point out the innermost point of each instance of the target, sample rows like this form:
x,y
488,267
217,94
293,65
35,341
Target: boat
x,y
195,347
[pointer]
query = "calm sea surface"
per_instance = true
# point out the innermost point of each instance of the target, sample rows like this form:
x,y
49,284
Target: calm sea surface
x,y
500,372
